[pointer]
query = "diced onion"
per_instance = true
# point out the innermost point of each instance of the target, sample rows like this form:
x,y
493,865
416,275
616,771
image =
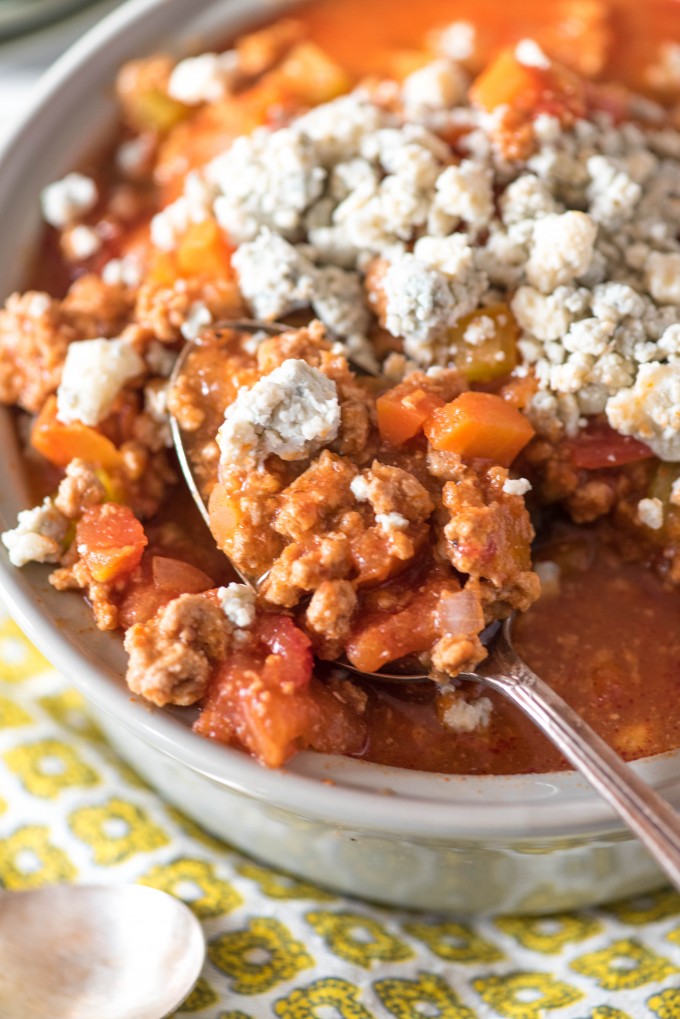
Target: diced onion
x,y
460,613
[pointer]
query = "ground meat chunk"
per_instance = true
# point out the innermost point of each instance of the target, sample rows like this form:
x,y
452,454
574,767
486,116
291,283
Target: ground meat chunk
x,y
95,308
323,489
393,490
79,489
34,337
163,310
329,616
489,532
453,655
172,656
304,565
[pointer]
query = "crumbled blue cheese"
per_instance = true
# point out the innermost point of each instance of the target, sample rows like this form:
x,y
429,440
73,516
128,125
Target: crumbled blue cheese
x,y
198,318
467,716
80,242
237,601
391,521
516,486
650,409
456,41
561,249
650,513
67,200
94,373
292,412
266,179
359,488
38,536
275,277
437,86
662,276
205,78
529,53
125,271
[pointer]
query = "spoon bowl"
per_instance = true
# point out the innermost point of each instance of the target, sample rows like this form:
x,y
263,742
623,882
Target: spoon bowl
x,y
110,952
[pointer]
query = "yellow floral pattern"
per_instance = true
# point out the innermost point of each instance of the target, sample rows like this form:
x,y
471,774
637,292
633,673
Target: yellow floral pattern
x,y
427,995
196,883
278,946
624,964
116,830
48,767
455,942
526,995
358,938
260,956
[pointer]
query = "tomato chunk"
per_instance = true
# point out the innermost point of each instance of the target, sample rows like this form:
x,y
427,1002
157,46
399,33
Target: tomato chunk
x,y
60,443
600,446
110,540
261,696
403,411
527,89
480,425
384,637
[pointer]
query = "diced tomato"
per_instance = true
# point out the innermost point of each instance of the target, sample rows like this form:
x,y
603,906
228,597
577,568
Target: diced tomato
x,y
600,446
261,696
480,425
384,637
527,89
403,411
60,443
110,540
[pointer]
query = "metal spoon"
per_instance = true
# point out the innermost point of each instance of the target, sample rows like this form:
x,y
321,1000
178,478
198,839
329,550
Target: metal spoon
x,y
114,952
649,816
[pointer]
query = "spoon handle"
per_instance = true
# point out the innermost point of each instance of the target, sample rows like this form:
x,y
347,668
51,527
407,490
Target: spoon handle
x,y
646,813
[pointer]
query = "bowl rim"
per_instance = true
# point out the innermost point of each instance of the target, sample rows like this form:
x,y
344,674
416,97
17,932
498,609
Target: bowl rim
x,y
344,792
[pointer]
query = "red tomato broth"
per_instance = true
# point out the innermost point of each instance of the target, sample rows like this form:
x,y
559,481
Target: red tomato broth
x,y
608,643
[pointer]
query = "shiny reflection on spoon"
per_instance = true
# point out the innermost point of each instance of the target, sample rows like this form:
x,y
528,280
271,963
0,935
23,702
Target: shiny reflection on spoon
x,y
90,952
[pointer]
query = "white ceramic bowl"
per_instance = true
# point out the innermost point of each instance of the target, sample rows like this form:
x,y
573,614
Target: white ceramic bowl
x,y
524,843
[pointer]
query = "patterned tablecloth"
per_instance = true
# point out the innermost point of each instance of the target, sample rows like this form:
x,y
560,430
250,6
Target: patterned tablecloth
x,y
71,810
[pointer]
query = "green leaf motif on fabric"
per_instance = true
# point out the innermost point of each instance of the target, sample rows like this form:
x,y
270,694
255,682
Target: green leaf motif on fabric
x,y
116,831
525,995
455,942
427,995
623,965
358,938
259,957
320,997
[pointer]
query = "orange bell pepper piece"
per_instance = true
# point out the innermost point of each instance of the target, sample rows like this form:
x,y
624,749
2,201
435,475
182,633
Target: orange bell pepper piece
x,y
203,251
496,355
479,425
529,90
402,412
110,540
60,443
225,514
